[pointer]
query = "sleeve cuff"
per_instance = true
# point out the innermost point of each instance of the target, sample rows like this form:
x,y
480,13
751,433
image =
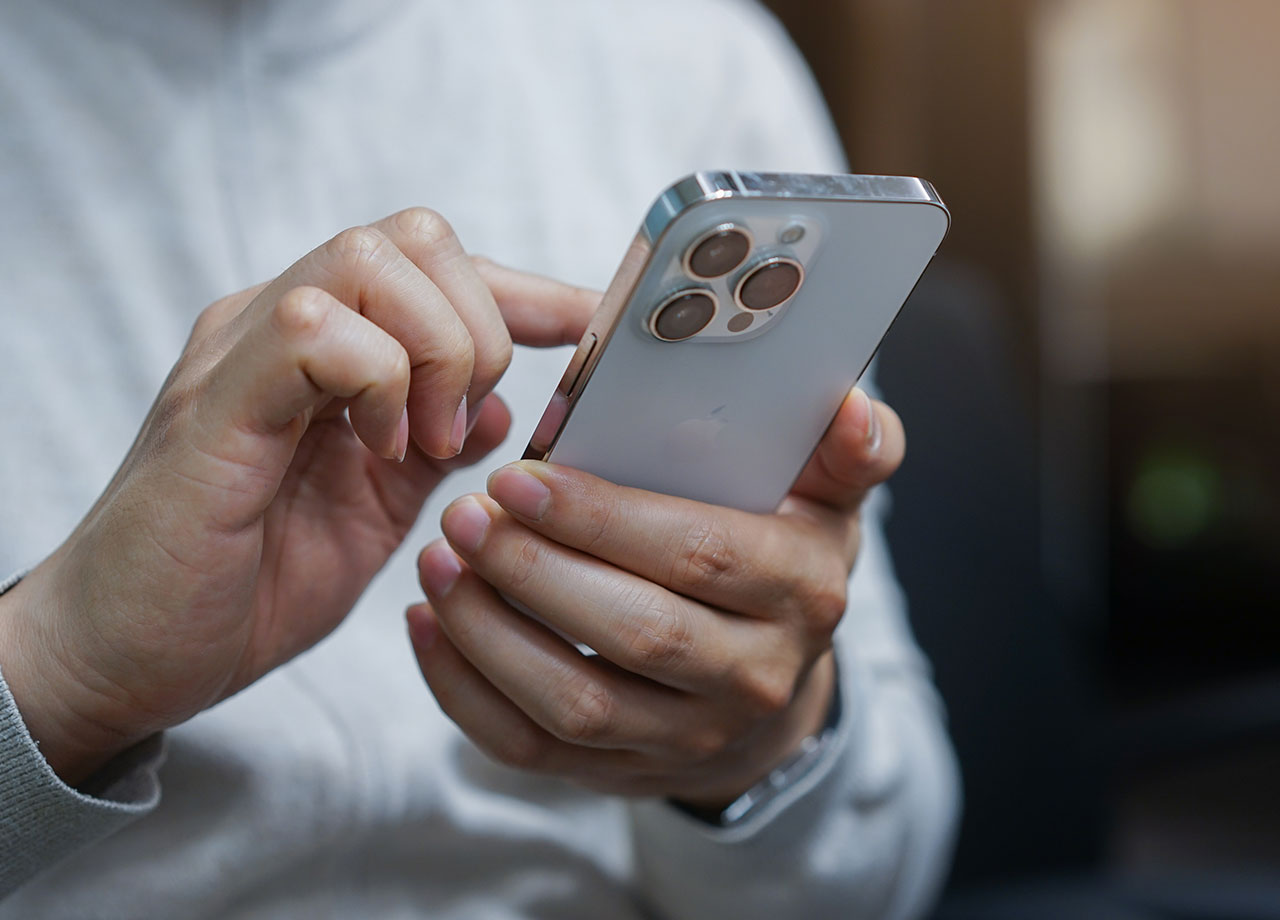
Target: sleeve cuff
x,y
10,581
42,819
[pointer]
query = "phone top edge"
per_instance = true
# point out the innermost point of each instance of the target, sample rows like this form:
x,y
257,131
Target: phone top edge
x,y
707,186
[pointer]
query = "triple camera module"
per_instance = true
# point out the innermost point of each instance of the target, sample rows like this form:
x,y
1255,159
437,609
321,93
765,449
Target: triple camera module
x,y
767,282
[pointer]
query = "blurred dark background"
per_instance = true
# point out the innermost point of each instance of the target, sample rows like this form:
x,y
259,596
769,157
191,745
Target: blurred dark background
x,y
1088,520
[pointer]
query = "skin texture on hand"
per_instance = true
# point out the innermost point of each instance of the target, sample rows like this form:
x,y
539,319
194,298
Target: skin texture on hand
x,y
287,455
712,626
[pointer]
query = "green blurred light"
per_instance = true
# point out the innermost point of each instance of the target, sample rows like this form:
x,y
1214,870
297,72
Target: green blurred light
x,y
1175,497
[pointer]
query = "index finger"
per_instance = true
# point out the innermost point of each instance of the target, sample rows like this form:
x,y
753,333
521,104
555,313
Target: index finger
x,y
362,268
428,240
766,565
539,311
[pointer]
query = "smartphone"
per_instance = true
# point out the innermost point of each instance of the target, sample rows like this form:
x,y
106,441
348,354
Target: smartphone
x,y
743,312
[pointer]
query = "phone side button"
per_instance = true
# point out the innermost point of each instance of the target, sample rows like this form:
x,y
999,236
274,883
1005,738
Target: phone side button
x,y
579,363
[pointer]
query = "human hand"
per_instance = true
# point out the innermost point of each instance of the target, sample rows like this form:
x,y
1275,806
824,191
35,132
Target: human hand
x,y
713,626
263,493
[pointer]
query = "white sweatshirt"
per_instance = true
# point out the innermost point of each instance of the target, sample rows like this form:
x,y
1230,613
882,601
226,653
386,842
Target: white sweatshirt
x,y
157,154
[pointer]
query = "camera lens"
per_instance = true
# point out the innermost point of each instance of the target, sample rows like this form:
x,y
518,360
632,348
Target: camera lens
x,y
718,253
683,315
769,284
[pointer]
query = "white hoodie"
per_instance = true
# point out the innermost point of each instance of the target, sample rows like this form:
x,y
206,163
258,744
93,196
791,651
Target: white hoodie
x,y
155,155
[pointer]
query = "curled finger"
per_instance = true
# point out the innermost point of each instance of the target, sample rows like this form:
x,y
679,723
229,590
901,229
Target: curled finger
x,y
576,698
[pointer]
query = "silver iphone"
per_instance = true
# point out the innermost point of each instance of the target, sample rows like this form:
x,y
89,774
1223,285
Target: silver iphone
x,y
745,309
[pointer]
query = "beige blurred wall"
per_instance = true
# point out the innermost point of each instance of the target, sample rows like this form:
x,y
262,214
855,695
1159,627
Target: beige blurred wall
x,y
1113,160
1157,134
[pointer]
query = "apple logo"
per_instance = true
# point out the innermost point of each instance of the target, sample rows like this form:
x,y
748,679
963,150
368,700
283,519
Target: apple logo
x,y
695,439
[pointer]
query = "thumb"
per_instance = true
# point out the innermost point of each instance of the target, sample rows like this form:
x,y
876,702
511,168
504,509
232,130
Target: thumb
x,y
538,311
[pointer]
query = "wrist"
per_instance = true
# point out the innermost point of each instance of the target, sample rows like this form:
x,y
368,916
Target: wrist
x,y
54,705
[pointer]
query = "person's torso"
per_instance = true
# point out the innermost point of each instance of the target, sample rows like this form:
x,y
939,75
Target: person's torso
x,y
160,156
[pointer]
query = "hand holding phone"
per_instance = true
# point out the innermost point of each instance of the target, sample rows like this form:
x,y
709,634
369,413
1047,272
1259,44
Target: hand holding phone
x,y
712,624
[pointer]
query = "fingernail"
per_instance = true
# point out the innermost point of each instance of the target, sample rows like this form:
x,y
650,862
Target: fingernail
x,y
520,492
402,434
873,425
439,568
459,432
423,628
464,523
473,416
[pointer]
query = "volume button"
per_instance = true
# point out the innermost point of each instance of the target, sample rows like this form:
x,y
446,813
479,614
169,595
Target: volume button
x,y
581,360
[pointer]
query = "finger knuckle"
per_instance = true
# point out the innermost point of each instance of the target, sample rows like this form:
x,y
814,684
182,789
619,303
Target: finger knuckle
x,y
300,313
598,518
492,357
583,712
525,564
451,360
826,598
208,318
705,558
765,690
658,638
399,367
705,743
213,317
360,247
173,407
425,225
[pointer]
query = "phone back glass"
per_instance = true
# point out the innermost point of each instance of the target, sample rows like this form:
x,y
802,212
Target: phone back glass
x,y
729,418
